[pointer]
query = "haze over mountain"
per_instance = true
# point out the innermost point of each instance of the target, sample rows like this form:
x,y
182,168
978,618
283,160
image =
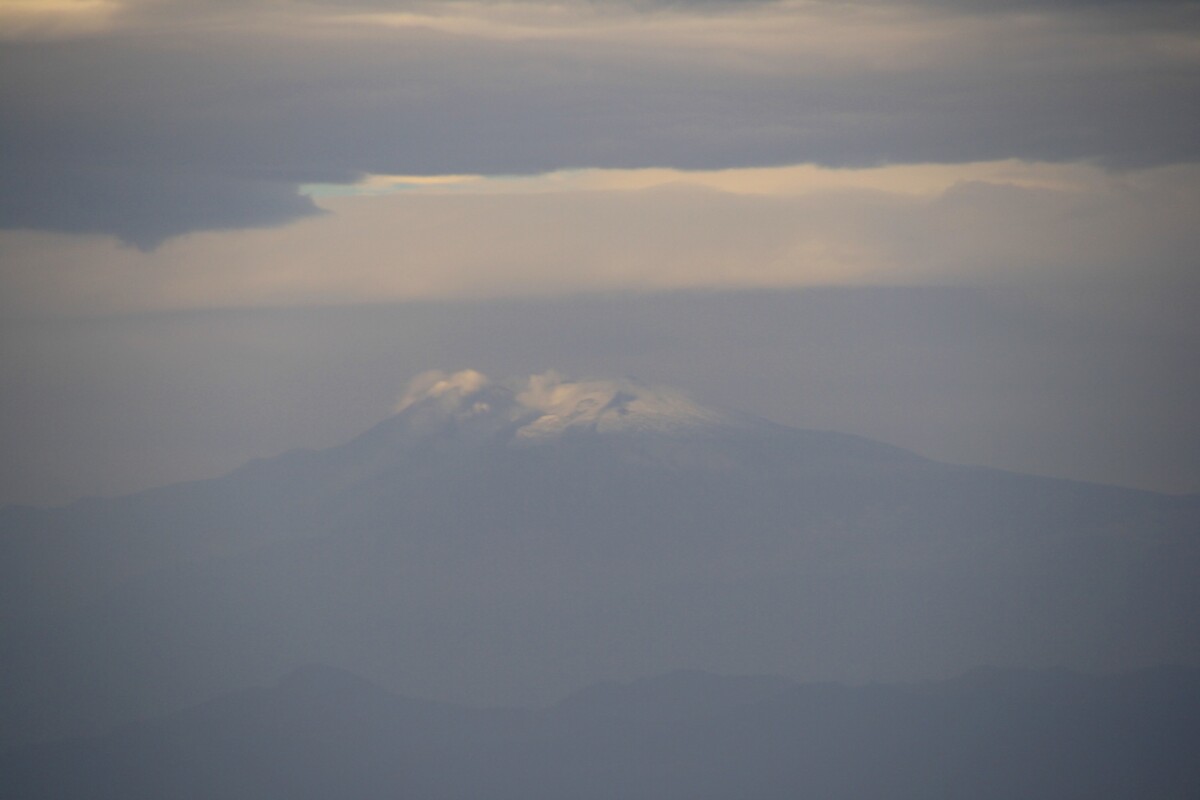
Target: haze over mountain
x,y
508,542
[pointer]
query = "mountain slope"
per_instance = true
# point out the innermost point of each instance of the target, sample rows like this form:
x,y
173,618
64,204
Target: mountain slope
x,y
510,542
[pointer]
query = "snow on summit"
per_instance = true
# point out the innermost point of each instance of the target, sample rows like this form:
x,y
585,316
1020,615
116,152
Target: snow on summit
x,y
548,404
606,405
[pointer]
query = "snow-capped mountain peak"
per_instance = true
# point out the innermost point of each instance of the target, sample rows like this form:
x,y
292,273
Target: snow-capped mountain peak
x,y
547,405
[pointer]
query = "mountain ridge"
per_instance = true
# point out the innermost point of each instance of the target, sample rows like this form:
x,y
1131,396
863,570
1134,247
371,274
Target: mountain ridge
x,y
449,559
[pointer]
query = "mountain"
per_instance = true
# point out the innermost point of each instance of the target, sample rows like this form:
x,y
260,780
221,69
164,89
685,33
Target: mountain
x,y
321,733
509,542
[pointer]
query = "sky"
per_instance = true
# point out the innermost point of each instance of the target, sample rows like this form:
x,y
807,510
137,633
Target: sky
x,y
232,229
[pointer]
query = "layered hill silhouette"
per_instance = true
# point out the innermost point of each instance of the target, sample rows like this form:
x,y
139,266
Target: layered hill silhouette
x,y
505,543
323,733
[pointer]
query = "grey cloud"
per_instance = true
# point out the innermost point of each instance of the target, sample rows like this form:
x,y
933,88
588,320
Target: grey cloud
x,y
110,133
145,207
1005,6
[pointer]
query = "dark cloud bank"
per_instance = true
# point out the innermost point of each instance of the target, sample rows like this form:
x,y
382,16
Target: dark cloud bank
x,y
188,127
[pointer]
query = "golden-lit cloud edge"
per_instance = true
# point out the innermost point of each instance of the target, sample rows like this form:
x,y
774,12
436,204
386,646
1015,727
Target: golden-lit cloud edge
x,y
403,238
795,179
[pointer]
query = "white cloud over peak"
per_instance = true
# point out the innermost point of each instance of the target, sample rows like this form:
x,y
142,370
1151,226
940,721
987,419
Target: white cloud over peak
x,y
449,388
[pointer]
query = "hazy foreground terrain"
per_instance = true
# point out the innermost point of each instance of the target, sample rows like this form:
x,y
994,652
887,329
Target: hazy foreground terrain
x,y
989,734
506,544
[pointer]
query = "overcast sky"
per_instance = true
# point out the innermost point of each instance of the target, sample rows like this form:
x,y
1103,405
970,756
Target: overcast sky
x,y
231,229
